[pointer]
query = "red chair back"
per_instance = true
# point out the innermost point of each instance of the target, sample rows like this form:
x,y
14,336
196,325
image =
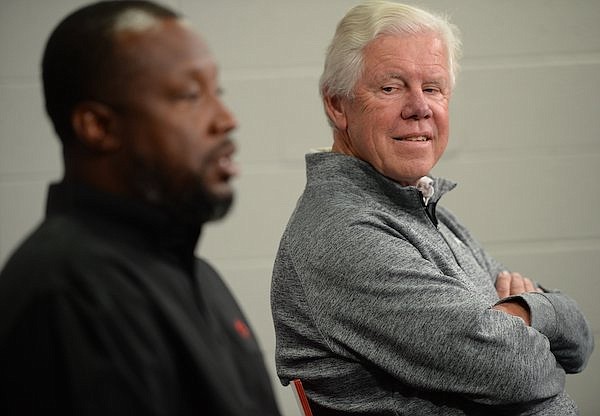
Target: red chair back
x,y
301,398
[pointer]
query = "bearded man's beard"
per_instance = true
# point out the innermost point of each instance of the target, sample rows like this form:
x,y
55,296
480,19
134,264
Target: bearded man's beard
x,y
200,206
191,203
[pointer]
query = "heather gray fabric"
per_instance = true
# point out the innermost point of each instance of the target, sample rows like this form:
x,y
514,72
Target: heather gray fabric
x,y
380,312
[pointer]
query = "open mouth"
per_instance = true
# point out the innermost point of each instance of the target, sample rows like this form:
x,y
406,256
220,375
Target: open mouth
x,y
221,158
227,166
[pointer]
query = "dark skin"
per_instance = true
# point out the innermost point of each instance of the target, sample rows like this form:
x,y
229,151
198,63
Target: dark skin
x,y
160,131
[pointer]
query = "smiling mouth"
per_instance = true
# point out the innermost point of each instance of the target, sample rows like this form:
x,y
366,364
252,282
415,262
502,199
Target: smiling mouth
x,y
412,139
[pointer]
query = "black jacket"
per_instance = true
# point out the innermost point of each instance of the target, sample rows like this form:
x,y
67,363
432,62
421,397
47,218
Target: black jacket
x,y
105,310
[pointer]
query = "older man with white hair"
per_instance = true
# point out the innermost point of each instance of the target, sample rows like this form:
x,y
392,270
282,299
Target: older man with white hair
x,y
383,302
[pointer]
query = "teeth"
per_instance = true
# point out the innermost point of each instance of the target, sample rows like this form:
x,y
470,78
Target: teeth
x,y
415,139
224,162
228,165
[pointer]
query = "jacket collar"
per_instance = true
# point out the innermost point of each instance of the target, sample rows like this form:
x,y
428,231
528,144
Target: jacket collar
x,y
358,176
129,218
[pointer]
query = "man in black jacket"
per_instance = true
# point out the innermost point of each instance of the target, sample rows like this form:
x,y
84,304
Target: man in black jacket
x,y
104,309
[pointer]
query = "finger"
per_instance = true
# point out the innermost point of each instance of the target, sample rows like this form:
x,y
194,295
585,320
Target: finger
x,y
529,287
503,284
516,284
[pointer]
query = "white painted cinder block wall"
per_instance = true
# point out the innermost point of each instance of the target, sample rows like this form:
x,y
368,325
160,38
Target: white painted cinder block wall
x,y
525,141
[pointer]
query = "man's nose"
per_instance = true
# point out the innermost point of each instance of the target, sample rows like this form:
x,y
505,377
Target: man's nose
x,y
224,120
416,107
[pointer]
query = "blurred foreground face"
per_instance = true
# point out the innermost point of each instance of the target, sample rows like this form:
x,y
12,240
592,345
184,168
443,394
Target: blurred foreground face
x,y
172,122
398,118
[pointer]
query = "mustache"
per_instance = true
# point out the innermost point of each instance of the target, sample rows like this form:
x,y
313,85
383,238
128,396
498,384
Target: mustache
x,y
226,147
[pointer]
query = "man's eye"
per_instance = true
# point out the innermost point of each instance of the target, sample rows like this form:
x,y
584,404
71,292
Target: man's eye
x,y
190,95
387,90
431,90
187,94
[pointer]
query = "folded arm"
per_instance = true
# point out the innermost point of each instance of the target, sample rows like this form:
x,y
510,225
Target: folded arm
x,y
553,314
383,303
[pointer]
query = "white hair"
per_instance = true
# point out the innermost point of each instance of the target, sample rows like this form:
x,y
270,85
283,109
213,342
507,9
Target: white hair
x,y
365,22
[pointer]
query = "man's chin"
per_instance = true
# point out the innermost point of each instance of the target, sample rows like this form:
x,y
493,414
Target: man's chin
x,y
218,209
201,207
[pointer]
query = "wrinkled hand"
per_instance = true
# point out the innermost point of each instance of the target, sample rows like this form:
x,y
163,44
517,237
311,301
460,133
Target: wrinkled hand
x,y
512,283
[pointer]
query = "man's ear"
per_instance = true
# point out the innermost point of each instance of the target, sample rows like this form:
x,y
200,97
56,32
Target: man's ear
x,y
335,111
94,126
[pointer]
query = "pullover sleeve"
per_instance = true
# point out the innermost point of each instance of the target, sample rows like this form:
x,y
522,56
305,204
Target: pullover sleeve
x,y
553,313
559,318
377,299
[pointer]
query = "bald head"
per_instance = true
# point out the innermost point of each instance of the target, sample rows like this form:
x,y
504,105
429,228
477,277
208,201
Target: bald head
x,y
80,60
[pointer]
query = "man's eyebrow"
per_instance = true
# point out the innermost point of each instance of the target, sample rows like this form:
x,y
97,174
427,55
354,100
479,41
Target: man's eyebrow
x,y
390,76
440,82
395,75
435,79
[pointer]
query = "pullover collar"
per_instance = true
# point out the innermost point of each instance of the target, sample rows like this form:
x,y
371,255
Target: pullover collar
x,y
141,223
356,175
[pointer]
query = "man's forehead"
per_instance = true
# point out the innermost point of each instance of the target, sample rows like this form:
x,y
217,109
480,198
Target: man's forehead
x,y
388,54
400,68
166,36
134,22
